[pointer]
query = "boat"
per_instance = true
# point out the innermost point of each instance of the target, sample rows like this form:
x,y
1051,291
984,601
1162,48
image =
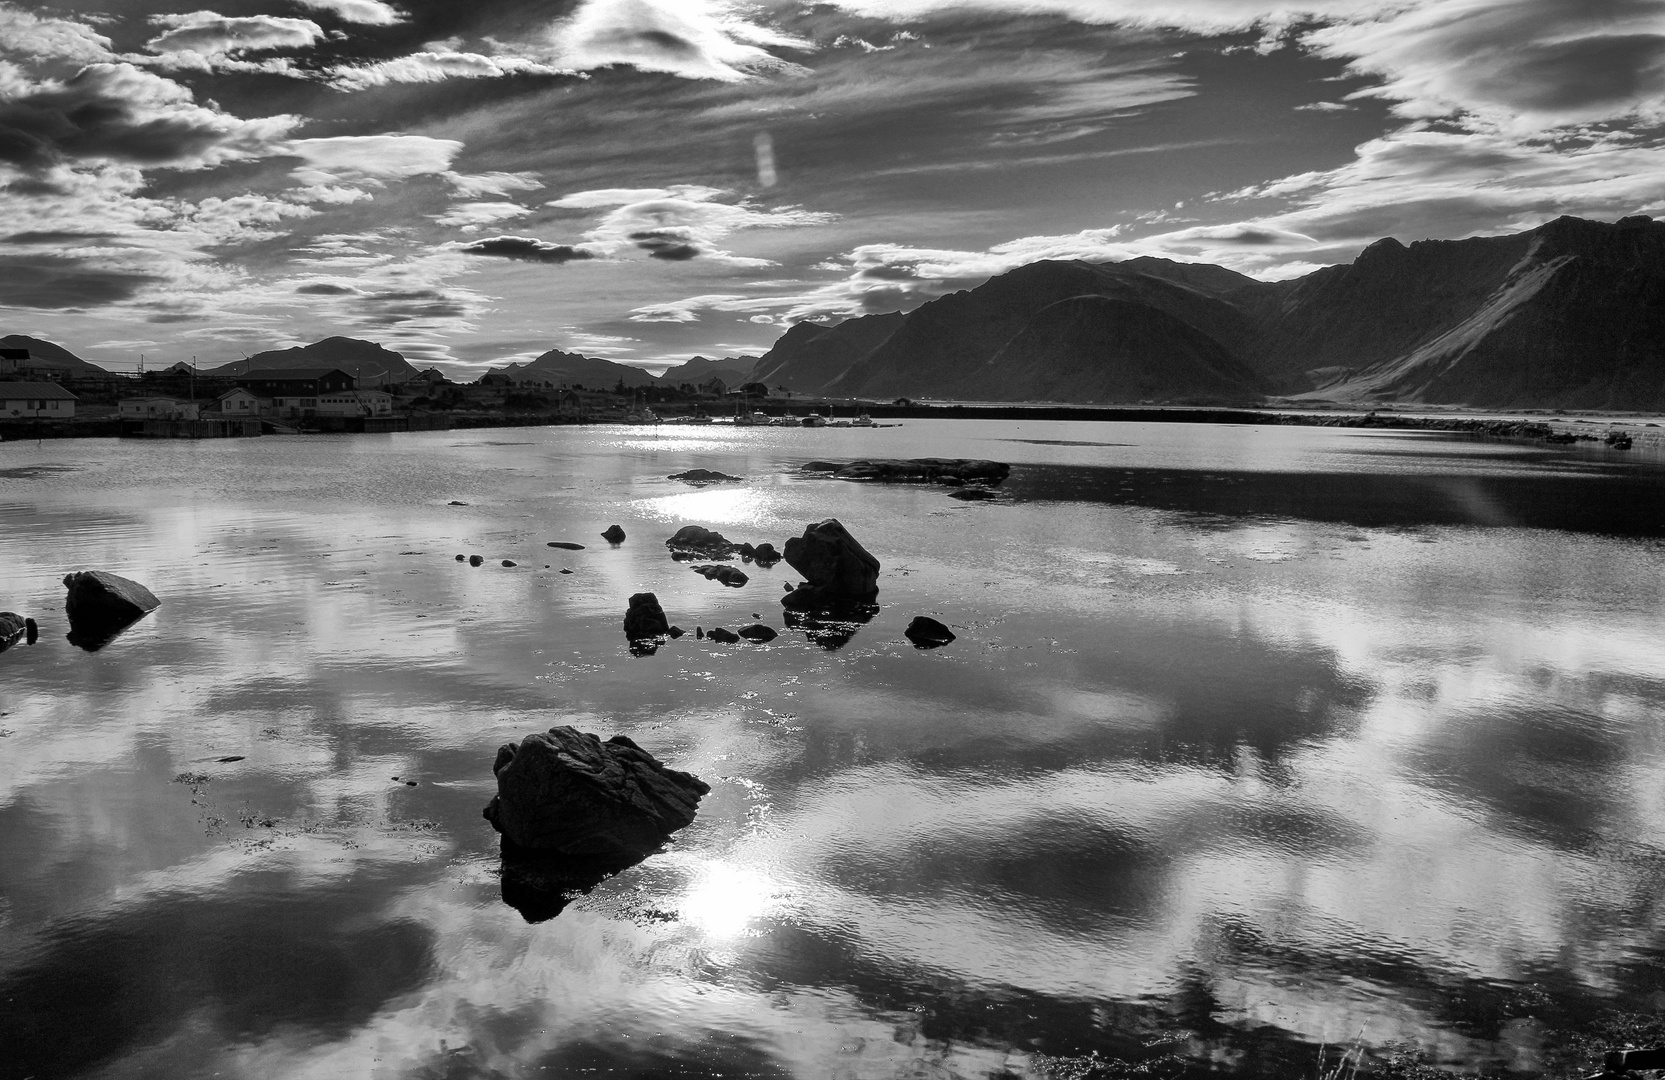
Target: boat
x,y
788,420
862,421
646,416
757,418
815,420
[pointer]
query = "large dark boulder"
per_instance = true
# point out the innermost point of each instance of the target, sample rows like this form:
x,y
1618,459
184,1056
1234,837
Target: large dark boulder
x,y
644,618
101,605
613,535
567,792
696,541
836,568
12,627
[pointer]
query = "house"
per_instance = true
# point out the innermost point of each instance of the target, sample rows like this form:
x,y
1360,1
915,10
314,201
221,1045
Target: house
x,y
19,399
157,408
430,377
295,392
714,386
238,402
13,362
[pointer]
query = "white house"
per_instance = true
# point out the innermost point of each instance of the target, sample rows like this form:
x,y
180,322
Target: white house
x,y
158,408
237,403
19,399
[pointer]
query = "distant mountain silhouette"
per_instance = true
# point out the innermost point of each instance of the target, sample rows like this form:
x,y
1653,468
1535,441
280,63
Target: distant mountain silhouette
x,y
359,358
733,370
571,369
47,355
1568,315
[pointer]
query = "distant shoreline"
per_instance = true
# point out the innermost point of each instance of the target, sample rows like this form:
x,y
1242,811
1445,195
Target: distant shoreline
x,y
1498,424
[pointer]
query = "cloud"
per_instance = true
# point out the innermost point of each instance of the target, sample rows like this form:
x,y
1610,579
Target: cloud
x,y
493,183
200,38
428,67
526,249
693,39
377,156
680,223
118,113
325,288
39,37
471,216
364,12
55,282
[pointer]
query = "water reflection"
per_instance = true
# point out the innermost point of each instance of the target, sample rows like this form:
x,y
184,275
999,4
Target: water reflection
x,y
1283,742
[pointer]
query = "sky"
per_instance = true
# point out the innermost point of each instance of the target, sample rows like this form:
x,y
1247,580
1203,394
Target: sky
x,y
647,180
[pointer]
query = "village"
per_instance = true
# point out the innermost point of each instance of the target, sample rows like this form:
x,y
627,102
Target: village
x,y
42,396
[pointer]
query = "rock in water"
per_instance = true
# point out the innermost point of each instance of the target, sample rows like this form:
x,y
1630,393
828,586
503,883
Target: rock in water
x,y
765,555
12,627
570,546
510,562
836,568
926,633
758,632
703,476
476,560
645,618
695,540
99,595
613,535
723,636
973,494
731,576
31,631
568,792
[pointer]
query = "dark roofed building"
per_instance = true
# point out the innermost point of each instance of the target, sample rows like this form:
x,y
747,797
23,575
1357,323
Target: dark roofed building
x,y
297,382
47,399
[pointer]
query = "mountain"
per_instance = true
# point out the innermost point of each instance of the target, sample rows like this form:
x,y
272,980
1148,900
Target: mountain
x,y
1567,315
361,359
733,370
45,354
811,355
1570,315
571,369
939,349
1135,352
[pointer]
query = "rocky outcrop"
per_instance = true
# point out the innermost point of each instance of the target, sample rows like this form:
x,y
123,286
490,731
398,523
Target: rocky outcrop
x,y
758,632
836,568
722,635
644,619
567,792
731,576
700,477
695,541
12,628
613,535
927,633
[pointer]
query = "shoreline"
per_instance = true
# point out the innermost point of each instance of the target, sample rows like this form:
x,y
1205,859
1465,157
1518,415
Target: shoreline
x,y
1621,434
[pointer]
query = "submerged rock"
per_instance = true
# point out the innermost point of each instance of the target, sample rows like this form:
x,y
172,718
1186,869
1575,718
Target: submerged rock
x,y
613,535
566,544
644,619
973,494
836,568
101,605
919,470
567,792
704,476
758,632
731,576
695,541
926,633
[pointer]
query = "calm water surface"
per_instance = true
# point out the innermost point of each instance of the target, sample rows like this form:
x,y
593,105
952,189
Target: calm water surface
x,y
1253,740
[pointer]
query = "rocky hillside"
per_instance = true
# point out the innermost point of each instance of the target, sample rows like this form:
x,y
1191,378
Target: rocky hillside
x,y
733,370
45,354
573,369
1567,315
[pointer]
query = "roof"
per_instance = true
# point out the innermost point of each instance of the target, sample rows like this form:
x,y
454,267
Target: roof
x,y
16,391
156,397
308,374
235,390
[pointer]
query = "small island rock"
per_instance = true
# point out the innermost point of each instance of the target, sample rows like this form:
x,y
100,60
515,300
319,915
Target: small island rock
x,y
835,566
703,476
698,540
567,545
96,596
613,535
926,633
731,576
723,635
567,792
645,618
758,632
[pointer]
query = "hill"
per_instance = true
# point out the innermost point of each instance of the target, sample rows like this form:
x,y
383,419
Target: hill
x,y
362,359
733,370
45,354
